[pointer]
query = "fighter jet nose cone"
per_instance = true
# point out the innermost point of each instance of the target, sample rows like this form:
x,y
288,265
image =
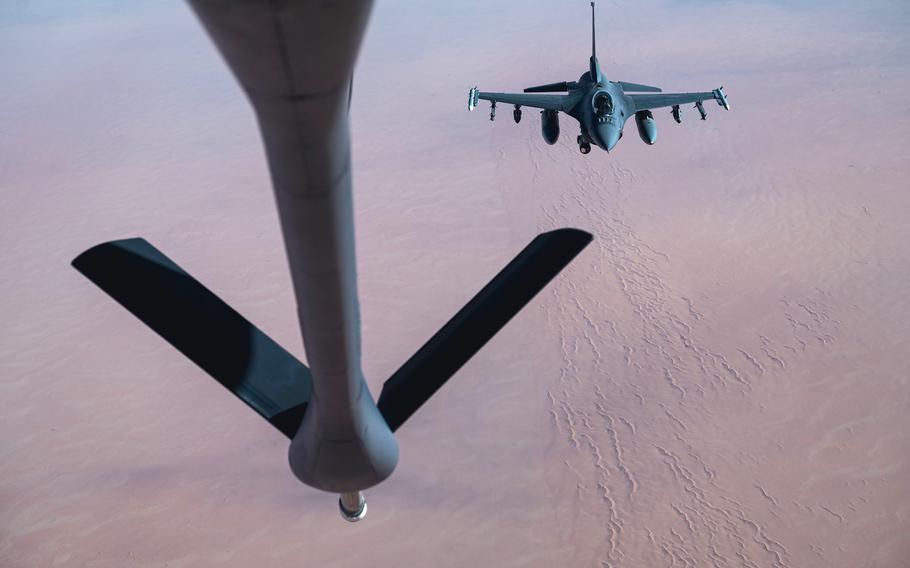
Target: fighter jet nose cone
x,y
607,136
611,142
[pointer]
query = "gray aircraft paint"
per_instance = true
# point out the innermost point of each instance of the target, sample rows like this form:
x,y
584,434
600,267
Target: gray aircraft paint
x,y
295,65
602,129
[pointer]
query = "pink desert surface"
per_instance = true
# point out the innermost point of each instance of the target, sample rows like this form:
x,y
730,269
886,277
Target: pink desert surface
x,y
721,379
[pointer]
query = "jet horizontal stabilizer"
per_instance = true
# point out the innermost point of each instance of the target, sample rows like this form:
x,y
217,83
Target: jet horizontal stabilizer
x,y
201,326
551,88
637,88
477,322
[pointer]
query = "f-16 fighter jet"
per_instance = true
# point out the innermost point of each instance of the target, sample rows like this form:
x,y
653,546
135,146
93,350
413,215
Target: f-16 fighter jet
x,y
294,61
601,107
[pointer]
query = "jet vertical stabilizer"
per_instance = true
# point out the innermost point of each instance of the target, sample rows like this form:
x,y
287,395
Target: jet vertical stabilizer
x,y
594,64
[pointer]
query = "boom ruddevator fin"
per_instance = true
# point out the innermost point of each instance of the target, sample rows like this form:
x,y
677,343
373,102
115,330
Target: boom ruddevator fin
x,y
200,325
477,322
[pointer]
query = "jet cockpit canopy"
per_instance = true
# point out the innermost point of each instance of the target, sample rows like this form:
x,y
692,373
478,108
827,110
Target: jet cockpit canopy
x,y
603,105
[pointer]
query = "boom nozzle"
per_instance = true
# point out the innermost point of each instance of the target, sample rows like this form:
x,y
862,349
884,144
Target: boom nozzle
x,y
353,506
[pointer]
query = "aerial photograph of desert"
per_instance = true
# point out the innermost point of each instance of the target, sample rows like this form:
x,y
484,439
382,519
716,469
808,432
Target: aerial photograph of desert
x,y
720,379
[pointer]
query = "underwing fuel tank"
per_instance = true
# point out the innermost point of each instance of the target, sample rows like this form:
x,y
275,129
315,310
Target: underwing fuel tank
x,y
549,126
647,129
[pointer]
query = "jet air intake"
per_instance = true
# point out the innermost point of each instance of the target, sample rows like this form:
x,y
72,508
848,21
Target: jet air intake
x,y
549,126
647,129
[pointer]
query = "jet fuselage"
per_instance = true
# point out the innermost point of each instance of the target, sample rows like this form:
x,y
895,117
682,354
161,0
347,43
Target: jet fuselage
x,y
601,110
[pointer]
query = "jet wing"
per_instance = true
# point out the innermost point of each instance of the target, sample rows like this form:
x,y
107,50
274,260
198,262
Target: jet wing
x,y
548,102
652,101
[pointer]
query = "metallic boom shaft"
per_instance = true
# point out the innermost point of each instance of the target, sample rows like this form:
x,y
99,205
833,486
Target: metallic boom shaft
x,y
294,60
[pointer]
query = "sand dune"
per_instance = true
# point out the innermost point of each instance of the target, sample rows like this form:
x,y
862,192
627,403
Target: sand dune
x,y
720,379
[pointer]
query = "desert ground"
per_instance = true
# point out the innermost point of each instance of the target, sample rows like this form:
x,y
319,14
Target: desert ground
x,y
721,379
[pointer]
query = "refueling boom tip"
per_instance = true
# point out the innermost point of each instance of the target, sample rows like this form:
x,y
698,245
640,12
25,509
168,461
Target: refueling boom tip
x,y
353,506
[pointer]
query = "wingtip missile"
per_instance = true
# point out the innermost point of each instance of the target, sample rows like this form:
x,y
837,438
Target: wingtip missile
x,y
473,95
721,97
